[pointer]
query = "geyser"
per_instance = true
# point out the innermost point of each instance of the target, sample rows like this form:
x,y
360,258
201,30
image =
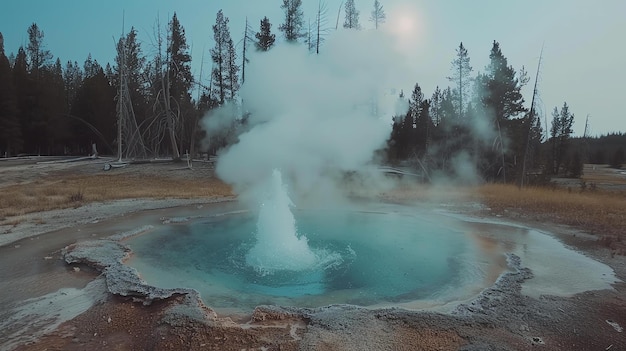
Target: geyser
x,y
372,254
278,246
368,255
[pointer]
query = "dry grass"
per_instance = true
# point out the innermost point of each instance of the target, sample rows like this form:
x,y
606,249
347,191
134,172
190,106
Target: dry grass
x,y
598,212
601,213
603,174
72,191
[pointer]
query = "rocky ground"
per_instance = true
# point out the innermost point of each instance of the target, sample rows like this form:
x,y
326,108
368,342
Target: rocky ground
x,y
50,305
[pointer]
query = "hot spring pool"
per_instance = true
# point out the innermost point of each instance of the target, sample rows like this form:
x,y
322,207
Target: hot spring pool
x,y
379,255
365,258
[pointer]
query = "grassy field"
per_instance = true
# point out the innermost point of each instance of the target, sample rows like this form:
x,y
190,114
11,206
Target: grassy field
x,y
66,191
597,212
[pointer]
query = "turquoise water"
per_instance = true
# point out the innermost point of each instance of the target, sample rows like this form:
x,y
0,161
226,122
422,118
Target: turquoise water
x,y
389,256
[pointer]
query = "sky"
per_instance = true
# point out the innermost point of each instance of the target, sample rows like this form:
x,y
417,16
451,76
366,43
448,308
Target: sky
x,y
582,63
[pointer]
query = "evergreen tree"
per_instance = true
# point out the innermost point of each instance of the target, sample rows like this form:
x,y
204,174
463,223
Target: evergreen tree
x,y
352,16
448,114
131,62
461,78
500,95
396,144
378,15
72,78
415,102
43,104
180,81
265,38
25,93
91,67
435,106
225,70
95,112
423,128
54,108
10,131
294,20
38,56
232,72
503,88
179,64
560,134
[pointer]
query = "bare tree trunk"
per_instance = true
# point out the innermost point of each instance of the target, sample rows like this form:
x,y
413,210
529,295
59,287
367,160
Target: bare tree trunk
x,y
531,119
171,125
501,151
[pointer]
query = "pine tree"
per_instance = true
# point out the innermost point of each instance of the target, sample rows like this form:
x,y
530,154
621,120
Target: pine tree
x,y
179,64
415,102
461,71
180,81
378,15
54,115
352,16
129,55
232,71
503,88
72,78
501,96
265,38
435,106
94,109
225,70
10,131
294,20
38,56
424,127
42,104
560,134
24,91
91,67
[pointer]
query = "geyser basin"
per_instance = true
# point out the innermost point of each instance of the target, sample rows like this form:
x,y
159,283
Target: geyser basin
x,y
383,256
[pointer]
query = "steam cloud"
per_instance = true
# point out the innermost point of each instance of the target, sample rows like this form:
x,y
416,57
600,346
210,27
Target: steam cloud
x,y
313,117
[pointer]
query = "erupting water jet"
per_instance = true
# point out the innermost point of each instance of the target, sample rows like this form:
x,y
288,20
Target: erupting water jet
x,y
278,245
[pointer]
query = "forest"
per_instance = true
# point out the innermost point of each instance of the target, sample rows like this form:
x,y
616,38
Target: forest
x,y
152,105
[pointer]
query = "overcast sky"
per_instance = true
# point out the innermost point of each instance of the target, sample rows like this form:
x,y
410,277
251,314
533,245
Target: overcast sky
x,y
583,60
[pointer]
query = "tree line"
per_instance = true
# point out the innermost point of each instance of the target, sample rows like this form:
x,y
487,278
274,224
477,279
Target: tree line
x,y
481,122
53,107
50,107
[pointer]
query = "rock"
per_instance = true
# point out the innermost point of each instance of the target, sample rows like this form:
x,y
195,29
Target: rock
x,y
537,341
615,326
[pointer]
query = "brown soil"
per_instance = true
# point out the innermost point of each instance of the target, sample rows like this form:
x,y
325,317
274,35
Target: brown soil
x,y
513,322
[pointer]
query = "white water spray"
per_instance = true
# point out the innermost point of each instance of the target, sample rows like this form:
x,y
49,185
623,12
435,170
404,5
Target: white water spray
x,y
278,245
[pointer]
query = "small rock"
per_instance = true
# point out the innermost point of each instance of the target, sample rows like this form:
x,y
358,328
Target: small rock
x,y
615,326
537,341
109,320
48,258
76,269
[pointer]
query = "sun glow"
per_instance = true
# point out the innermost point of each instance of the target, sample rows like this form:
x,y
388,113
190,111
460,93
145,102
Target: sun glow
x,y
405,24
